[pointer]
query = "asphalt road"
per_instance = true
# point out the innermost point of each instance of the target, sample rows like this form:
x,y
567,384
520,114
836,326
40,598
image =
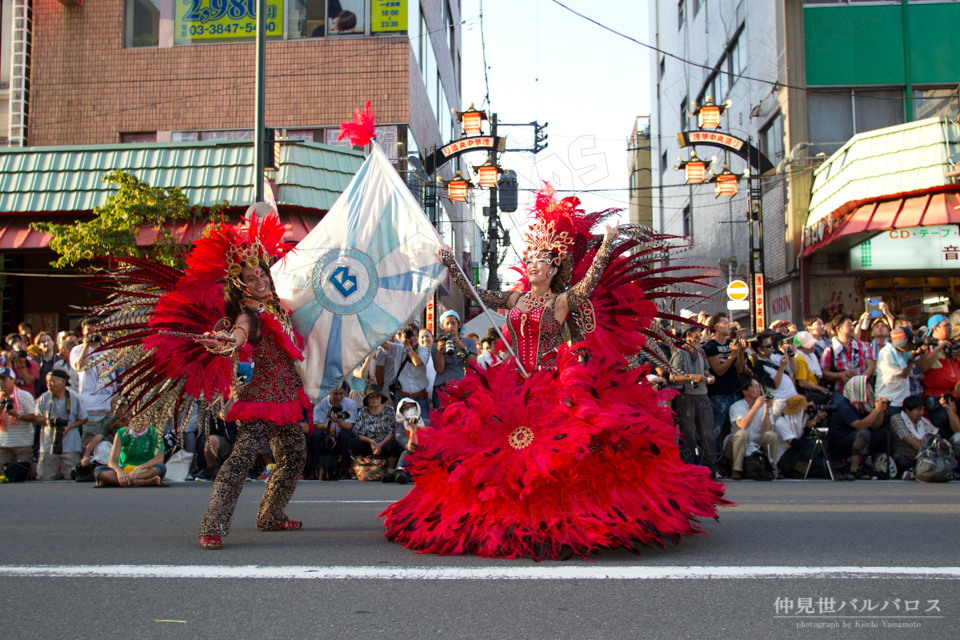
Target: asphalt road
x,y
79,562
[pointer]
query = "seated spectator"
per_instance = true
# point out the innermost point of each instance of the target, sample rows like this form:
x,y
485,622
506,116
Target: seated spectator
x,y
910,426
750,422
409,422
808,368
136,459
894,367
793,430
373,434
333,419
93,451
16,420
61,413
857,428
217,443
775,370
17,359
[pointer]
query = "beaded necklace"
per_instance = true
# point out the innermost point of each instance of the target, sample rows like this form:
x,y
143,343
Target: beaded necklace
x,y
533,303
274,310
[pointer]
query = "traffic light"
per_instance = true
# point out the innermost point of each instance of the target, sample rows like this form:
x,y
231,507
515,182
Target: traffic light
x,y
507,187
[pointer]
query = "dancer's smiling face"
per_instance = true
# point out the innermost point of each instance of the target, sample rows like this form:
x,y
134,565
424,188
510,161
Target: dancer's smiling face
x,y
541,267
257,282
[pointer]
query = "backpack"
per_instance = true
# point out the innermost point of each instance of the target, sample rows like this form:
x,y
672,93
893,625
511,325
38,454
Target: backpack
x,y
16,471
935,461
758,467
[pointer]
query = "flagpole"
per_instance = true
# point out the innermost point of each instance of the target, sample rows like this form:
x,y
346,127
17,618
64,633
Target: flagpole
x,y
476,296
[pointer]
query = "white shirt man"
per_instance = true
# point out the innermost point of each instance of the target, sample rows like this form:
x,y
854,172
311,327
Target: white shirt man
x,y
16,420
95,395
750,421
59,409
894,366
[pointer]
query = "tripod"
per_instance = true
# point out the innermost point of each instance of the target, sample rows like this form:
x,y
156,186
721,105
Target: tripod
x,y
819,436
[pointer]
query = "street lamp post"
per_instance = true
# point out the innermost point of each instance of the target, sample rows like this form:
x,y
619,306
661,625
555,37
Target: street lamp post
x,y
260,132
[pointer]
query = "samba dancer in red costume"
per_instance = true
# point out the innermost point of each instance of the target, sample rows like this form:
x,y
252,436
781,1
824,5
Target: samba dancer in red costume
x,y
226,295
580,453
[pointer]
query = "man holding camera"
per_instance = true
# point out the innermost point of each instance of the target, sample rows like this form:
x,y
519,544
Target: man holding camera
x,y
794,431
24,368
726,357
858,427
941,372
331,416
694,412
61,414
93,393
16,420
412,380
910,426
846,356
894,365
774,370
751,420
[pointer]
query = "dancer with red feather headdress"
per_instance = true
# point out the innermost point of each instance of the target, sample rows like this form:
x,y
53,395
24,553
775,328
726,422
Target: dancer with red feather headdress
x,y
580,452
175,336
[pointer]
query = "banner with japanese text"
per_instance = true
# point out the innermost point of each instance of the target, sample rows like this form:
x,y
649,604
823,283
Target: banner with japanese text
x,y
198,20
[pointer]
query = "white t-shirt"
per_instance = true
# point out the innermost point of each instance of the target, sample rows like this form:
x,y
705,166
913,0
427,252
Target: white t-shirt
x,y
740,409
889,385
19,433
96,396
321,411
787,389
787,428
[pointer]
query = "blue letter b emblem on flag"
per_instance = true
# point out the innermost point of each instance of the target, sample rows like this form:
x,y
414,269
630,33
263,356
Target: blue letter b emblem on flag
x,y
365,271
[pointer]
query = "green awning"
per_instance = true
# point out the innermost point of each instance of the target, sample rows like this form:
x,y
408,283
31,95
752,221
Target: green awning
x,y
67,179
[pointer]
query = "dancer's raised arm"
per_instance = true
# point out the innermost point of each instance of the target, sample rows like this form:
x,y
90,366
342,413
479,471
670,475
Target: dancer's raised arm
x,y
493,299
579,293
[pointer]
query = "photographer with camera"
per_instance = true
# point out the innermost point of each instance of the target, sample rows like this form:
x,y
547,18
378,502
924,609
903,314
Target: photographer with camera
x,y
16,420
774,370
941,371
24,368
93,392
796,439
726,355
910,426
846,356
751,421
451,353
409,423
333,420
694,413
857,428
894,365
412,378
61,413
808,368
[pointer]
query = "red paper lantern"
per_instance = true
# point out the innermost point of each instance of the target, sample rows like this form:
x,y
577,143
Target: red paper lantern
x,y
487,176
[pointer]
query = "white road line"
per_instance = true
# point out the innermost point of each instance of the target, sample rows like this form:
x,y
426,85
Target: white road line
x,y
179,572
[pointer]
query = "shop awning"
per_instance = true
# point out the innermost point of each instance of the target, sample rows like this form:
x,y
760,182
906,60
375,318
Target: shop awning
x,y
16,234
866,221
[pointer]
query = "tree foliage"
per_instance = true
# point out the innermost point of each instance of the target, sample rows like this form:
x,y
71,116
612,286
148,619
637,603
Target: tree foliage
x,y
114,228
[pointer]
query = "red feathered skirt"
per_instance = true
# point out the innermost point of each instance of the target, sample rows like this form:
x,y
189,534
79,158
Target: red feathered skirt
x,y
577,457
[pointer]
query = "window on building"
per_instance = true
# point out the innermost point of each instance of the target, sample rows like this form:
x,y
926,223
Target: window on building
x,y
430,73
688,222
663,165
680,17
143,23
451,31
829,119
663,68
723,82
771,145
413,30
684,116
735,60
876,109
138,138
696,7
229,135
184,136
930,103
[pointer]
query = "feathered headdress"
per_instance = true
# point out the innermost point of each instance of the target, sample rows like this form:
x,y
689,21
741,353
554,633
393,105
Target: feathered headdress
x,y
363,128
557,223
226,249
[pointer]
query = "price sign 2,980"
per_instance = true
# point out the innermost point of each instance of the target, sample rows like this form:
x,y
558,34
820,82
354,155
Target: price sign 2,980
x,y
223,19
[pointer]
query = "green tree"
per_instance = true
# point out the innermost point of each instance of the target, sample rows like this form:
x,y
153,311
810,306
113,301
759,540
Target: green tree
x,y
114,228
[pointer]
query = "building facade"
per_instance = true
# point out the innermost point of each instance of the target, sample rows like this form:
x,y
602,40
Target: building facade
x,y
792,73
640,210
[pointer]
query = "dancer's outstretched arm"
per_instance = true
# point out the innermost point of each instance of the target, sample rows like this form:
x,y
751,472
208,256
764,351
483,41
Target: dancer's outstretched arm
x,y
578,294
493,299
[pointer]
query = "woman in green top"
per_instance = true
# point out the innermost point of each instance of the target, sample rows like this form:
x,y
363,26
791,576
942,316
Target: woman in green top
x,y
136,459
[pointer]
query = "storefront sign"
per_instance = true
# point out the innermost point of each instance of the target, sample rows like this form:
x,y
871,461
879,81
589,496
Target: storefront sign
x,y
464,145
759,291
714,137
916,248
430,314
388,15
780,302
738,290
223,19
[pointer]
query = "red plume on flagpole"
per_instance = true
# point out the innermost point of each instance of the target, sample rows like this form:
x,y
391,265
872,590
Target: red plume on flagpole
x,y
362,130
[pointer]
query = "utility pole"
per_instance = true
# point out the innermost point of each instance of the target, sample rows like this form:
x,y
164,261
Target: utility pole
x,y
493,223
260,132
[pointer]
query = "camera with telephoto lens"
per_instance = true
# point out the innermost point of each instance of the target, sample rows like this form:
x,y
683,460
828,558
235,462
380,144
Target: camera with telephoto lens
x,y
22,354
408,334
814,409
57,425
448,347
948,350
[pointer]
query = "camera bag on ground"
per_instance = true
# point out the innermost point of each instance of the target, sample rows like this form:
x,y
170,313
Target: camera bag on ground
x,y
83,473
369,468
757,466
935,461
328,467
16,471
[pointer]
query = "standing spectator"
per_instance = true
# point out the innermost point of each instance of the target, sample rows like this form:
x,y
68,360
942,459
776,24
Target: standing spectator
x,y
694,412
412,379
333,420
814,325
751,420
488,349
426,340
726,356
93,392
61,414
775,371
361,377
26,330
857,428
941,372
451,353
846,356
16,420
879,334
66,341
894,365
26,370
136,459
374,432
910,426
48,360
